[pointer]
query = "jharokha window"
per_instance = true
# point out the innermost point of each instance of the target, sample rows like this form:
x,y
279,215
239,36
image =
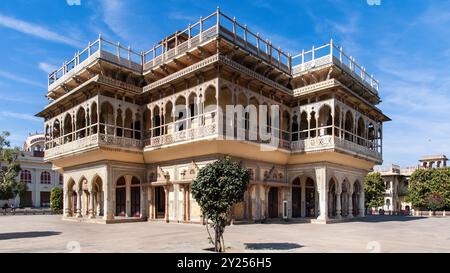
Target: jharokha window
x,y
45,178
25,176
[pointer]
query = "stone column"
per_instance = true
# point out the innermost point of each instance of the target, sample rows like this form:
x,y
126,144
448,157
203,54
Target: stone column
x,y
361,204
108,201
266,202
98,200
79,193
183,197
350,205
338,205
67,208
249,203
151,203
166,210
303,199
323,193
91,204
128,196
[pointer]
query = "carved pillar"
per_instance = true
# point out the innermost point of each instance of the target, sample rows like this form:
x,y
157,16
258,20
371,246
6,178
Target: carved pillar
x,y
323,193
338,205
303,199
67,206
79,193
151,202
166,210
91,204
128,195
350,204
183,194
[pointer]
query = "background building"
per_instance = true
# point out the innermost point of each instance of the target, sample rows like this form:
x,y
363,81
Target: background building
x,y
397,181
130,130
38,175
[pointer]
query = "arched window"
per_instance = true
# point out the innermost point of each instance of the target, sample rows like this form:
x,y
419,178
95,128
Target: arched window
x,y
46,178
25,176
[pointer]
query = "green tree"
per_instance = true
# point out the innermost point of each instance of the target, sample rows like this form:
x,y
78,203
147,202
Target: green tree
x,y
56,200
9,186
374,190
434,201
426,185
218,186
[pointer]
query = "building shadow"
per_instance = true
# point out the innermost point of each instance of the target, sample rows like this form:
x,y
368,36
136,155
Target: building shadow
x,y
29,234
386,218
272,246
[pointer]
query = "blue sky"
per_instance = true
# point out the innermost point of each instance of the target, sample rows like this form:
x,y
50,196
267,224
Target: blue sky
x,y
404,43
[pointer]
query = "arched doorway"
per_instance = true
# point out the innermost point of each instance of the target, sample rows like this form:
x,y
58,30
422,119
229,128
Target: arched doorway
x,y
296,198
310,198
160,202
98,196
121,197
273,202
135,197
332,198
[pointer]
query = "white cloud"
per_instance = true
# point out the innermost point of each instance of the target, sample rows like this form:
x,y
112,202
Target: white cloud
x,y
20,116
21,79
36,30
46,67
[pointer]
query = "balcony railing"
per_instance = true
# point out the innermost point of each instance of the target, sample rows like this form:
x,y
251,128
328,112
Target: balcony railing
x,y
64,145
210,27
202,31
100,48
330,142
331,53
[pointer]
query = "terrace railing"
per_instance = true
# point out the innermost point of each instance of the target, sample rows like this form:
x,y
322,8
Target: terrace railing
x,y
210,27
100,48
331,53
207,29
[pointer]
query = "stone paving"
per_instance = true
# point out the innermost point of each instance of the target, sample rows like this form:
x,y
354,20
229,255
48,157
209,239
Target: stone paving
x,y
48,233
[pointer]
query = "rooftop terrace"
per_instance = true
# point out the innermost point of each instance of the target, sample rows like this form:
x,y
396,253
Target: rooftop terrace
x,y
208,28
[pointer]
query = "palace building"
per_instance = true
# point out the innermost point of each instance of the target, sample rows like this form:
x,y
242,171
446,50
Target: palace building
x,y
130,130
37,174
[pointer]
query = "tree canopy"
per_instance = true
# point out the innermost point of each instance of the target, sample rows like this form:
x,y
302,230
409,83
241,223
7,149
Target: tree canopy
x,y
218,186
9,186
374,190
430,189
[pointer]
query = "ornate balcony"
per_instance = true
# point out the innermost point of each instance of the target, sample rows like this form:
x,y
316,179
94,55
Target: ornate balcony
x,y
64,146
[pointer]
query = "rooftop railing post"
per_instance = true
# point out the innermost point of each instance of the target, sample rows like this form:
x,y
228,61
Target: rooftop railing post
x,y
312,53
340,54
279,56
129,53
234,29
290,62
267,46
189,35
118,49
89,49
64,67
99,41
154,55
331,48
142,59
245,34
303,56
201,29
257,42
176,43
218,19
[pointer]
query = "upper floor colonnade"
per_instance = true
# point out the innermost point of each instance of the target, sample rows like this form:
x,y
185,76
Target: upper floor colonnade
x,y
161,121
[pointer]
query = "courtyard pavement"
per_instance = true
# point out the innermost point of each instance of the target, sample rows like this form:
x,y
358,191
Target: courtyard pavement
x,y
48,233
